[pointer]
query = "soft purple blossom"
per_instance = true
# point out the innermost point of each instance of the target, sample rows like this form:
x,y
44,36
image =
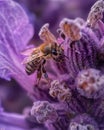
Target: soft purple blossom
x,y
71,98
13,39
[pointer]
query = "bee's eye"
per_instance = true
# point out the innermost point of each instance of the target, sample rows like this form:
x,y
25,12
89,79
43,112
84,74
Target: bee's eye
x,y
54,52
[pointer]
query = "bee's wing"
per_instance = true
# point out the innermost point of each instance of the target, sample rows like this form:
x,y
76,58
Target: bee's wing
x,y
34,55
28,52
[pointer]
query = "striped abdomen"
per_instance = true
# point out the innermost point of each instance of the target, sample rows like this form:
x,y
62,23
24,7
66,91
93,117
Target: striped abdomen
x,y
32,66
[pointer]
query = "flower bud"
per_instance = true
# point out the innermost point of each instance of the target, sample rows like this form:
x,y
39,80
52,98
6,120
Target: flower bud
x,y
96,13
60,91
43,111
76,126
90,83
83,122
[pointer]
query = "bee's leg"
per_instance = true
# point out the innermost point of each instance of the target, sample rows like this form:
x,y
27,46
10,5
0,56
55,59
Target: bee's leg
x,y
40,70
46,75
39,74
44,71
54,58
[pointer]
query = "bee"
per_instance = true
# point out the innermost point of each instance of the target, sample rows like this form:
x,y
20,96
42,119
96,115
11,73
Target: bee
x,y
37,57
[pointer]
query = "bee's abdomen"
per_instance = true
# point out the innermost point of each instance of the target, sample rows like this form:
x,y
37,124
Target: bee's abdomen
x,y
30,67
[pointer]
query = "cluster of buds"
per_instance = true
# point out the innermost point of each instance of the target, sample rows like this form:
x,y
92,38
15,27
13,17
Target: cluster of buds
x,y
90,83
83,122
76,126
60,91
43,111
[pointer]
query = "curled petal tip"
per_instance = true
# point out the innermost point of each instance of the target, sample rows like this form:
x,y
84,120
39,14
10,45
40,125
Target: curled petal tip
x,y
96,13
80,21
65,20
44,28
45,34
71,29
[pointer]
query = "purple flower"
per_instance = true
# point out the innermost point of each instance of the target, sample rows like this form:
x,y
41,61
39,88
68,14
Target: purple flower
x,y
13,121
81,47
70,73
16,32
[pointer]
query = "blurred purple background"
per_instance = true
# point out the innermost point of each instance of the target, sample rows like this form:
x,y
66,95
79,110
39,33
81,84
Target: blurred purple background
x,y
13,97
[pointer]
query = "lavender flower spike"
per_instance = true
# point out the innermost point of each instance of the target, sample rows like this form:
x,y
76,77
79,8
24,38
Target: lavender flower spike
x,y
71,101
79,98
81,46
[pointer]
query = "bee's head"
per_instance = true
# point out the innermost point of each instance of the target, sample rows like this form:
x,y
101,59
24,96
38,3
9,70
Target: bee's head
x,y
56,51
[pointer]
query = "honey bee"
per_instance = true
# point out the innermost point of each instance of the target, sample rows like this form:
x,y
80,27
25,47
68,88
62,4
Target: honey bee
x,y
49,49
